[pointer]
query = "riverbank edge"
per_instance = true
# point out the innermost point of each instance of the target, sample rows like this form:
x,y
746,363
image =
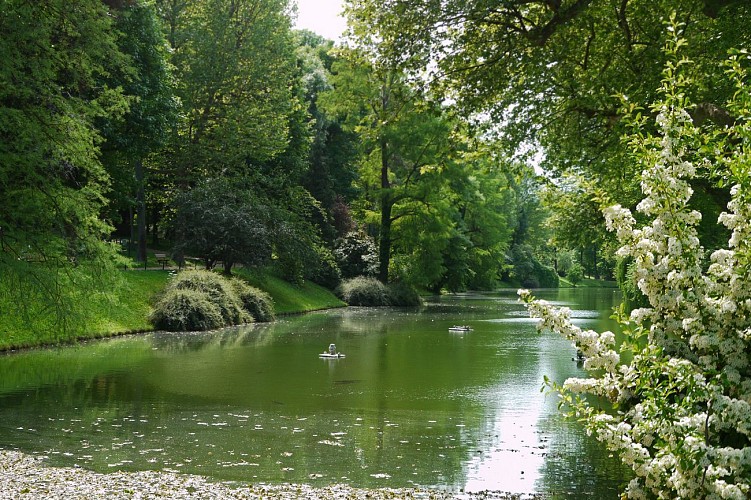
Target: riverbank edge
x,y
29,476
289,299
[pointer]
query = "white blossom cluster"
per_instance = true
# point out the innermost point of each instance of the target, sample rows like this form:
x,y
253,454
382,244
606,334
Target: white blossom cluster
x,y
682,418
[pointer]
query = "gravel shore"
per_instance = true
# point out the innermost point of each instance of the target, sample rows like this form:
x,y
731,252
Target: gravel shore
x,y
27,476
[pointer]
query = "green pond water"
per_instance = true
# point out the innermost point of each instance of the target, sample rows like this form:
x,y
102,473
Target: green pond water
x,y
412,404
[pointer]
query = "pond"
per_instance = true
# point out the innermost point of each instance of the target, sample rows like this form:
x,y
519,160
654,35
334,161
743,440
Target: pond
x,y
412,404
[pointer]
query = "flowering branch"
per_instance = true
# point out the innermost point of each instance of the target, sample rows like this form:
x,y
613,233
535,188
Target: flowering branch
x,y
682,405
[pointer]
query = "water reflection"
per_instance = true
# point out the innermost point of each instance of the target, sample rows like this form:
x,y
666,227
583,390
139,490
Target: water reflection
x,y
411,404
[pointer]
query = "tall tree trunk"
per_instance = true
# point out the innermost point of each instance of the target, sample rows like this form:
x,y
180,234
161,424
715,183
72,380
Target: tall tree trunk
x,y
581,259
141,211
384,249
594,259
131,238
154,218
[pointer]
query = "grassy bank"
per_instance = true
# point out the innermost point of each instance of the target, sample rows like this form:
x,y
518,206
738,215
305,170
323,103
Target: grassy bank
x,y
588,283
564,283
290,298
120,306
124,308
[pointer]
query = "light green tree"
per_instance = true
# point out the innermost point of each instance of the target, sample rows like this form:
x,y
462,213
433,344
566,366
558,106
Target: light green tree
x,y
53,60
406,145
234,63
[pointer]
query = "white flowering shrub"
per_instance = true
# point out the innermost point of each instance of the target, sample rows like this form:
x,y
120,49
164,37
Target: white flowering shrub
x,y
681,404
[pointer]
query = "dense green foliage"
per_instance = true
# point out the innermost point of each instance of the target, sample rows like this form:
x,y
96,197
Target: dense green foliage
x,y
364,291
403,295
221,221
356,255
186,310
369,291
257,303
546,76
575,274
216,289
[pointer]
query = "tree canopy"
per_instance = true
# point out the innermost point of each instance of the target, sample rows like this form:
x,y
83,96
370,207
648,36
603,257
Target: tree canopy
x,y
549,71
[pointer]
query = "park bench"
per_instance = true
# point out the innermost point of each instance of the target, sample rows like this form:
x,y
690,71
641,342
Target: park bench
x,y
161,258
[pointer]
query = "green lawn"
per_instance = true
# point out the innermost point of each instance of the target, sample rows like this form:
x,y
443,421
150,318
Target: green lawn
x,y
129,308
290,298
589,283
121,306
125,307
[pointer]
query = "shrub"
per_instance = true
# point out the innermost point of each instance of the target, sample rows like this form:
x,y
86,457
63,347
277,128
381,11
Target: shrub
x,y
401,294
575,274
325,271
186,310
217,289
364,291
356,255
254,301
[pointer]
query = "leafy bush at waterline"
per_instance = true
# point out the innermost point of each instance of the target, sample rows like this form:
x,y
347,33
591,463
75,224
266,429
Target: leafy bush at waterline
x,y
186,310
199,300
403,295
367,291
364,291
257,303
218,290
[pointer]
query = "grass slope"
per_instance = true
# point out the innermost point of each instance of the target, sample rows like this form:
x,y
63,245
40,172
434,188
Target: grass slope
x,y
118,309
290,298
127,307
129,310
589,283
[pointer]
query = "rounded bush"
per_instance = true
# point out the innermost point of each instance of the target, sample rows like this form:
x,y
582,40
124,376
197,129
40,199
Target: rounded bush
x,y
218,290
255,302
402,294
546,276
364,291
186,310
356,255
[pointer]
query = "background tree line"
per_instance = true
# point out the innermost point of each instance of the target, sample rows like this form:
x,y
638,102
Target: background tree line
x,y
213,129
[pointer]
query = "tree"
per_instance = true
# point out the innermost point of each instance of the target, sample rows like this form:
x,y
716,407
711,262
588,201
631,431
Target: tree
x,y
577,223
405,139
330,171
553,67
575,274
233,64
151,111
53,59
681,419
461,239
222,220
